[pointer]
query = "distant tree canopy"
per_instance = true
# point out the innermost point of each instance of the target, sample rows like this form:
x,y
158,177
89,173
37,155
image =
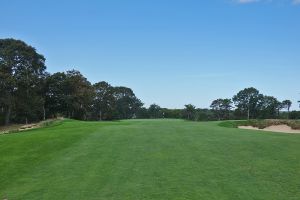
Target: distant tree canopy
x,y
69,94
22,75
189,112
246,102
251,104
29,93
221,108
155,111
286,104
104,103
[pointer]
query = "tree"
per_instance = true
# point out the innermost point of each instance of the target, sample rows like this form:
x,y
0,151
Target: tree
x,y
189,111
142,113
216,107
79,96
246,102
104,101
155,111
205,115
29,93
56,94
43,93
127,103
226,107
22,71
287,104
221,108
172,113
269,107
295,115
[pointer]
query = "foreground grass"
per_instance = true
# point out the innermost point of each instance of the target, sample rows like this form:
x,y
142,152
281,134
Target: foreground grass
x,y
149,159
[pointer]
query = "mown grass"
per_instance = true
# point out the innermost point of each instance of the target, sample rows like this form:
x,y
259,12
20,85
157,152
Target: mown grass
x,y
149,159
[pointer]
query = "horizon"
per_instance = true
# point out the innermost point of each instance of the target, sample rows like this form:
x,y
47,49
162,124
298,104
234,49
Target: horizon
x,y
169,53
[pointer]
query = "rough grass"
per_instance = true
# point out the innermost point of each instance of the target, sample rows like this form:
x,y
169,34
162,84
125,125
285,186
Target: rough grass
x,y
261,124
148,159
15,128
9,128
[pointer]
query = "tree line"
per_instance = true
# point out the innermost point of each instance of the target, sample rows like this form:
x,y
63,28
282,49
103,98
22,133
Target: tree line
x,y
29,93
248,103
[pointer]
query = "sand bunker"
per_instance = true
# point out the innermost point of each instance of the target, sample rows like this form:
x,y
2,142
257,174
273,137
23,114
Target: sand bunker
x,y
276,128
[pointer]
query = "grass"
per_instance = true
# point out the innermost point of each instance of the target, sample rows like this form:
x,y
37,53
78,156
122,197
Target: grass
x,y
148,159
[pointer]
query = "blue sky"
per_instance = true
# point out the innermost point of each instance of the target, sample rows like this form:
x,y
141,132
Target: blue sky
x,y
170,52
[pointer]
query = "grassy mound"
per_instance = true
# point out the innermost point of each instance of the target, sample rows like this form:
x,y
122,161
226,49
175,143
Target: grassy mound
x,y
261,124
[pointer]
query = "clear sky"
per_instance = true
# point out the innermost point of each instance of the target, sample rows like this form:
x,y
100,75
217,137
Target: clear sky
x,y
170,52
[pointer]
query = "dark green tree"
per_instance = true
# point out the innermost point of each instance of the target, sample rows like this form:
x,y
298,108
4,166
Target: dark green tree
x,y
269,107
127,103
22,71
56,95
287,104
155,111
246,102
104,103
221,108
189,112
205,115
172,113
79,95
216,107
142,113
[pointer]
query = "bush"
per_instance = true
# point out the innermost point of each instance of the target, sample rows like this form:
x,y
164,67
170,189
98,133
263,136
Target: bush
x,y
294,115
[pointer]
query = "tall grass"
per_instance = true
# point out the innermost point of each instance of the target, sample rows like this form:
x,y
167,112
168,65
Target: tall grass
x,y
261,124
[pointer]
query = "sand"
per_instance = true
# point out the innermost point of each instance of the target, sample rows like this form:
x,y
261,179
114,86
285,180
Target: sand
x,y
276,128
